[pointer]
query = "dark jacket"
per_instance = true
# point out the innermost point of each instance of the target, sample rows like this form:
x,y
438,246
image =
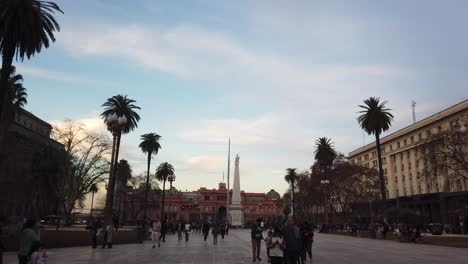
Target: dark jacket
x,y
256,232
292,240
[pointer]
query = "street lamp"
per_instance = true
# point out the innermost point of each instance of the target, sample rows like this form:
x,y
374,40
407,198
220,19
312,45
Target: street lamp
x,y
171,178
325,183
115,124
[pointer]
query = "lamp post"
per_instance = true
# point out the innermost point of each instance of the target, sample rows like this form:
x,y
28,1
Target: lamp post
x,y
170,178
115,125
325,184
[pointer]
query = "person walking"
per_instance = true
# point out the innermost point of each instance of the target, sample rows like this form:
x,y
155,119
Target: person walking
x,y
292,242
257,237
276,247
93,227
222,230
179,227
226,225
188,230
205,229
163,230
307,239
155,232
215,233
29,237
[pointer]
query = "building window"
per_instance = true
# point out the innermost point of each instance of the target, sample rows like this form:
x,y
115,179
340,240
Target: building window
x,y
207,197
399,144
412,139
406,142
366,157
252,211
206,209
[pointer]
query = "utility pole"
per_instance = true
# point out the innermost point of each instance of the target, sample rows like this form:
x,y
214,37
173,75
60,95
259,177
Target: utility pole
x,y
413,106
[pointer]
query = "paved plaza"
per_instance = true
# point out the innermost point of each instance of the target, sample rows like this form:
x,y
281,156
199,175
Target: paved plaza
x,y
236,248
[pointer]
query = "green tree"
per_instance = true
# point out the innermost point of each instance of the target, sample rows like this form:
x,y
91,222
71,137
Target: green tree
x,y
164,170
25,27
325,153
93,189
149,145
375,119
291,178
124,107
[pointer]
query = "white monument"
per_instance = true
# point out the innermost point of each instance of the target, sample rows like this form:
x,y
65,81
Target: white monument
x,y
235,209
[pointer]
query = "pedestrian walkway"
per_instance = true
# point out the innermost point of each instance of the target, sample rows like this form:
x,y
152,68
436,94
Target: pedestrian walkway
x,y
236,248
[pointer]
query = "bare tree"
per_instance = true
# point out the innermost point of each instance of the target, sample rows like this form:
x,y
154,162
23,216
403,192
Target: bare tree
x,y
444,157
87,163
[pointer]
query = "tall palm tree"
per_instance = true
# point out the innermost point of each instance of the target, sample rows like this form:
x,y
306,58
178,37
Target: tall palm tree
x,y
291,178
162,172
325,153
93,189
149,144
122,106
25,27
375,119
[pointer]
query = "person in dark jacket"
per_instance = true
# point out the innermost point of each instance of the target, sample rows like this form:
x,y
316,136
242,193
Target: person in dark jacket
x,y
292,242
257,237
307,234
163,230
205,230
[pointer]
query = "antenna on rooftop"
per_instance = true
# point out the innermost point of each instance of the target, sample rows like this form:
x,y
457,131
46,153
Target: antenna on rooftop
x,y
413,106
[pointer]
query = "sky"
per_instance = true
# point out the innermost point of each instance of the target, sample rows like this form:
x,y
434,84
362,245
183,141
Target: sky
x,y
271,75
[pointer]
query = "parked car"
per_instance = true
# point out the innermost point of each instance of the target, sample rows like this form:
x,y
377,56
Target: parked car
x,y
435,228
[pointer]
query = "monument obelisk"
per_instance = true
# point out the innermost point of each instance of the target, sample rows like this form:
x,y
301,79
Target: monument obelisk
x,y
236,206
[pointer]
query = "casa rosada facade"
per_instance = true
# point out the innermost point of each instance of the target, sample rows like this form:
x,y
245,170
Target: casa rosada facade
x,y
203,204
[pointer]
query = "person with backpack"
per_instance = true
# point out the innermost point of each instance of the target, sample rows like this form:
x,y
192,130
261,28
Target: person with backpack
x,y
257,237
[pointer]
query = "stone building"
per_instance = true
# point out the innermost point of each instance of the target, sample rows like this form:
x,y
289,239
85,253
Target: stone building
x,y
30,168
433,195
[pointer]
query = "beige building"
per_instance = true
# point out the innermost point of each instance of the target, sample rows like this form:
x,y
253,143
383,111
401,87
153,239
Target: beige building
x,y
401,157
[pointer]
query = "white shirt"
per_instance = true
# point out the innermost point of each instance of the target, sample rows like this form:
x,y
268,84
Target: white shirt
x,y
276,251
187,227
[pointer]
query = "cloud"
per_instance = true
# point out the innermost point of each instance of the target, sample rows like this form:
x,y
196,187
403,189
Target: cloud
x,y
52,75
203,164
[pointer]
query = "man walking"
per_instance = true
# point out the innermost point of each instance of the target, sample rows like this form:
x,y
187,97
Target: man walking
x,y
155,232
188,229
257,237
205,230
163,230
292,242
179,227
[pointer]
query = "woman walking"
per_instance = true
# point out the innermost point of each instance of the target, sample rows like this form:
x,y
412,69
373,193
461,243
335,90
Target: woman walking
x,y
155,232
188,229
180,227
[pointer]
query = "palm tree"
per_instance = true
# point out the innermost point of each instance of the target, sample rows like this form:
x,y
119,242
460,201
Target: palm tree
x,y
291,178
164,170
123,107
325,153
376,119
25,27
149,144
93,189
17,93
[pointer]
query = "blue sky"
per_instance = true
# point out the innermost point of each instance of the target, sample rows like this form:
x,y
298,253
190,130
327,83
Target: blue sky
x,y
272,75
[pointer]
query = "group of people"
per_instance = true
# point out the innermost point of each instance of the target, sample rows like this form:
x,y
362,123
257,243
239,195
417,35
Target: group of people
x,y
290,244
158,229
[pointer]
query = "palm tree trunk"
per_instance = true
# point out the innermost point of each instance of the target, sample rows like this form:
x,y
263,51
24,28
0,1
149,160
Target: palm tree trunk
x,y
292,196
383,192
7,60
92,201
111,186
147,186
162,203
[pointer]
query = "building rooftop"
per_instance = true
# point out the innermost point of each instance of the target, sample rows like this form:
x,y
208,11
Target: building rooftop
x,y
418,125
